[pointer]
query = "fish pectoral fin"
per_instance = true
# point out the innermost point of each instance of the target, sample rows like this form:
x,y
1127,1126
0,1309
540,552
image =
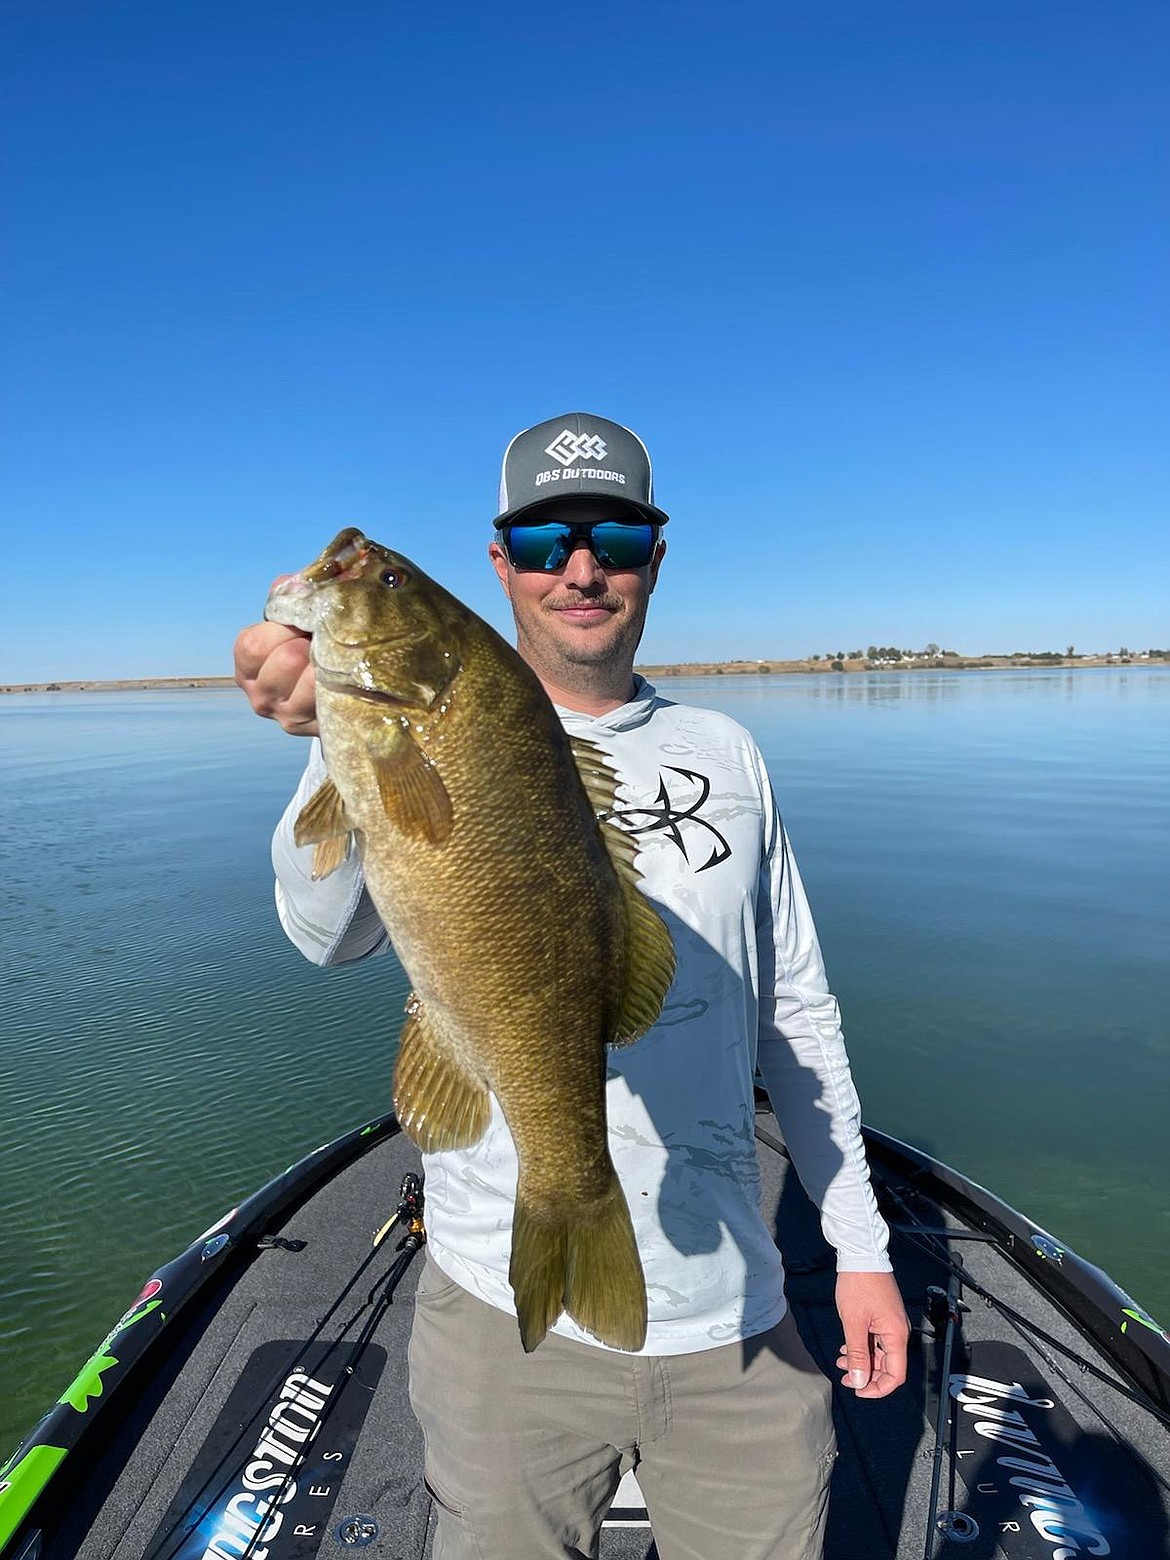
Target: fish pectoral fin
x,y
322,817
329,854
323,822
649,949
413,794
438,1103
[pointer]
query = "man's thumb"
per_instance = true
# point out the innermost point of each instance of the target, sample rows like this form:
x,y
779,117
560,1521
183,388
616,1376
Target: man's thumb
x,y
857,1361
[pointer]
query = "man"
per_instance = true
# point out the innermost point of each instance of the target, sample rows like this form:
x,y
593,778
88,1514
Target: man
x,y
722,1412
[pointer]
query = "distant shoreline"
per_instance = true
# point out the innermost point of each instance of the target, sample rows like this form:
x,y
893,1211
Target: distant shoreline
x,y
949,663
682,669
120,685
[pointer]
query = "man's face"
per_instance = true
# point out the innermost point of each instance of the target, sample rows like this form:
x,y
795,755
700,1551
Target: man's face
x,y
580,615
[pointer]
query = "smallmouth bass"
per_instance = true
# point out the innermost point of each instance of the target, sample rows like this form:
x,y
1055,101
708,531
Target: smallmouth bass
x,y
515,913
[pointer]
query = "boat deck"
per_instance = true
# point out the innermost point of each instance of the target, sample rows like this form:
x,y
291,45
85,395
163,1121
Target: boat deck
x,y
175,1461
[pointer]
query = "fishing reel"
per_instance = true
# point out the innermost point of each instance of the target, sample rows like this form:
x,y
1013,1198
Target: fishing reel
x,y
409,1213
940,1310
410,1209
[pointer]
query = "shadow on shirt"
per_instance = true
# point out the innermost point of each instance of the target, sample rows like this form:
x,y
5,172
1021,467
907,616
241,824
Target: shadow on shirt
x,y
703,1107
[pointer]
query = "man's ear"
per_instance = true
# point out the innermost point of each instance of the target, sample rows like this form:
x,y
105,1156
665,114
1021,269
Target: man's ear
x,y
500,564
656,562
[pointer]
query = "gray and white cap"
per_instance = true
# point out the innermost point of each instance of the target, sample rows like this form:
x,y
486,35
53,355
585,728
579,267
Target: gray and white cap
x,y
576,453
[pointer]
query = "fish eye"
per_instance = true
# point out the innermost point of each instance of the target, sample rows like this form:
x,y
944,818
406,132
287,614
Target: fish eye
x,y
391,577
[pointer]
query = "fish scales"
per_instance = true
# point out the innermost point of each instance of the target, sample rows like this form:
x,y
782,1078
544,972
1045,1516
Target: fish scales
x,y
525,928
527,942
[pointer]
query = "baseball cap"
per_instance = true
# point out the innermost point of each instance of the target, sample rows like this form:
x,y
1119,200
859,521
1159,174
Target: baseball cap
x,y
576,453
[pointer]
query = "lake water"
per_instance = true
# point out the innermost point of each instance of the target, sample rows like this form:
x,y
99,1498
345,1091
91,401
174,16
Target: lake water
x,y
987,855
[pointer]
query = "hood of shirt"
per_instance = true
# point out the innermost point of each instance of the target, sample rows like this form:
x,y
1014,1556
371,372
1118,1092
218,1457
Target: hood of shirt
x,y
635,712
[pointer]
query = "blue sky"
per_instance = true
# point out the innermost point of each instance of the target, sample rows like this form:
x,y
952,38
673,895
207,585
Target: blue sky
x,y
883,287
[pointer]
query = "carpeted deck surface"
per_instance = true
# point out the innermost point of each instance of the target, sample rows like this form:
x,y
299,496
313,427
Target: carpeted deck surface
x,y
142,1500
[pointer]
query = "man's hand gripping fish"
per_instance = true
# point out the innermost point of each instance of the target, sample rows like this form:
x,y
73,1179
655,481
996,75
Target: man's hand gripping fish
x,y
515,913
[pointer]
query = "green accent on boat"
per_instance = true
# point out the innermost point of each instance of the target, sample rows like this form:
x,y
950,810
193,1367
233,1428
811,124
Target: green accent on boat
x,y
132,1315
1143,1317
22,1481
87,1384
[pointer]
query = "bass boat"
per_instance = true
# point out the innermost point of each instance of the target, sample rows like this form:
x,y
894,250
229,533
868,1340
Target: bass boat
x,y
251,1404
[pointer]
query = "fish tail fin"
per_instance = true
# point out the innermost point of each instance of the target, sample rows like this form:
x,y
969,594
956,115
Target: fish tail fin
x,y
583,1261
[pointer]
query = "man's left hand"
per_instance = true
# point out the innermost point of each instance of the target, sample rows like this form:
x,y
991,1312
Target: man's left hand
x,y
877,1331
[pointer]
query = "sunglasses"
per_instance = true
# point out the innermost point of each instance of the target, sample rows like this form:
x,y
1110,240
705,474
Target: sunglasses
x,y
616,544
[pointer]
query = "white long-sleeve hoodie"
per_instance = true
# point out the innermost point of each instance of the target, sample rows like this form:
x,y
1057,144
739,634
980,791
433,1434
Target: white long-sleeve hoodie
x,y
750,990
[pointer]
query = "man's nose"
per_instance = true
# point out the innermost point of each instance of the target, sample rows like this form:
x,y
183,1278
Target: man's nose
x,y
581,567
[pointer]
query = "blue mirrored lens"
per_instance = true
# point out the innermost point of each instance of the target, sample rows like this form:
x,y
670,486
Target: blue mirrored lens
x,y
538,546
614,543
619,546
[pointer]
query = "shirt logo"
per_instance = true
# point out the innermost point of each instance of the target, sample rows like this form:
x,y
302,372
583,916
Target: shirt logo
x,y
667,816
568,447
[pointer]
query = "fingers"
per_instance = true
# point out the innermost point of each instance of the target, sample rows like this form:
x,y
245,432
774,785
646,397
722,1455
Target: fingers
x,y
884,1369
873,1358
856,1359
272,666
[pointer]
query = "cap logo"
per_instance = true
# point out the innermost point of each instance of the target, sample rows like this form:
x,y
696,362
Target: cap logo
x,y
569,446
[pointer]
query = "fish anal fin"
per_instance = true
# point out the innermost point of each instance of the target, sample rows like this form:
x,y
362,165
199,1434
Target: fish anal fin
x,y
413,794
438,1103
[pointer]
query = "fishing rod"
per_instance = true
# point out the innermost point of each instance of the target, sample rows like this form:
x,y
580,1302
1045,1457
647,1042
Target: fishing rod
x,y
931,1244
408,1213
935,1246
951,1524
945,1306
1032,1332
944,1310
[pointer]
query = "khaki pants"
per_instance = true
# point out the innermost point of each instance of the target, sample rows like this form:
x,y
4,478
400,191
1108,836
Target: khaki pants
x,y
733,1446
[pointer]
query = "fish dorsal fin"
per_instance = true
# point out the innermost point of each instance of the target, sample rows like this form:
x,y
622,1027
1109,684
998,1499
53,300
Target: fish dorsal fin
x,y
439,1104
322,822
595,767
412,791
649,952
649,957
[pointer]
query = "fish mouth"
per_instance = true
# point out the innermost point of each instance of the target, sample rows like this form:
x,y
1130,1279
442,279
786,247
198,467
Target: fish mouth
x,y
338,683
342,559
292,586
